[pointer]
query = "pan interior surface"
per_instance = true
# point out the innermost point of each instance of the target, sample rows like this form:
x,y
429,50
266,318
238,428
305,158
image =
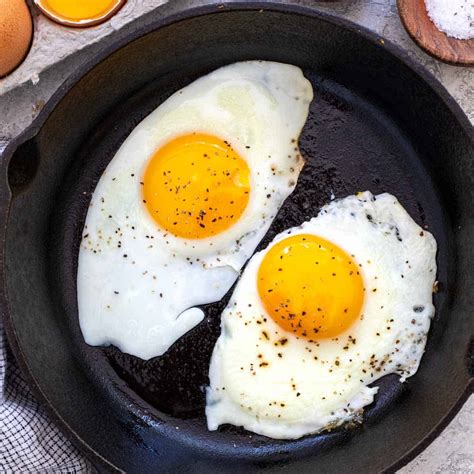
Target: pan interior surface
x,y
374,125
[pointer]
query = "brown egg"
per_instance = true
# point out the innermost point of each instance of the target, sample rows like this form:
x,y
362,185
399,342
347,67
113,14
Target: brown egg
x,y
16,30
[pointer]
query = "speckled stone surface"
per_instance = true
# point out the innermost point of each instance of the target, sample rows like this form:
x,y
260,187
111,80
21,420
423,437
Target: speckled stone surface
x,y
23,94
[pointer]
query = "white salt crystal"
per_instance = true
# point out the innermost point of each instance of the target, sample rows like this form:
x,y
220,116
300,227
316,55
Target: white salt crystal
x,y
453,17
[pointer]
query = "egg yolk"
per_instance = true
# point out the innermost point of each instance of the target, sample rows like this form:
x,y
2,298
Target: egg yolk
x,y
79,11
310,287
196,186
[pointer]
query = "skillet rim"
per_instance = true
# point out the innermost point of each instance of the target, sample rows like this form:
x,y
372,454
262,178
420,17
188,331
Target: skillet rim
x,y
170,14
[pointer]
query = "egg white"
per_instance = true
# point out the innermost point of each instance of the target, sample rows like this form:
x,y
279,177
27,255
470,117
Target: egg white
x,y
297,387
138,284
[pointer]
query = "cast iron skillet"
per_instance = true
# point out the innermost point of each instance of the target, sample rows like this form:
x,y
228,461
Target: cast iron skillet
x,y
378,122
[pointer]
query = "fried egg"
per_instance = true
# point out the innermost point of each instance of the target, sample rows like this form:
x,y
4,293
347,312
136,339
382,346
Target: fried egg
x,y
185,201
323,312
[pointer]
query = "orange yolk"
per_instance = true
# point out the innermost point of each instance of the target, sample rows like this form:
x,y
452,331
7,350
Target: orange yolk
x,y
196,186
79,11
310,287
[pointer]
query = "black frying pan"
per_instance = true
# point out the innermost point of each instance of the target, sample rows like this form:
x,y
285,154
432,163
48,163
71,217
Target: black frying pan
x,y
378,122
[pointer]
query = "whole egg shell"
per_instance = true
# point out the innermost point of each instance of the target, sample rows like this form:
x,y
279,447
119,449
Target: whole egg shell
x,y
16,31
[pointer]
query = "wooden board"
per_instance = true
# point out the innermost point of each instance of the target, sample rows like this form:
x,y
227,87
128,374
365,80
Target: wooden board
x,y
423,31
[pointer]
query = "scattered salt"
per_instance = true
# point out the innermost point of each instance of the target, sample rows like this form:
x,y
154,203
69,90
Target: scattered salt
x,y
453,17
